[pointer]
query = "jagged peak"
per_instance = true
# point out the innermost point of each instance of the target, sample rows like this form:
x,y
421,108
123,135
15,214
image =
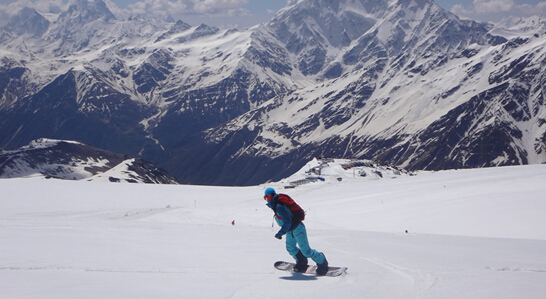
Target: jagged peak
x,y
88,10
28,20
205,27
342,21
532,23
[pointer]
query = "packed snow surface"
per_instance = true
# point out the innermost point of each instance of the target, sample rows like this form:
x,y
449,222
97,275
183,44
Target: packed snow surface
x,y
452,234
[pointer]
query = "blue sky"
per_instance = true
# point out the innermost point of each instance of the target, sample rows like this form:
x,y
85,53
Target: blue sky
x,y
246,13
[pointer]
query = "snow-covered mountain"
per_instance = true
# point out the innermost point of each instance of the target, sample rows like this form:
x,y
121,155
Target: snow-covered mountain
x,y
71,160
398,81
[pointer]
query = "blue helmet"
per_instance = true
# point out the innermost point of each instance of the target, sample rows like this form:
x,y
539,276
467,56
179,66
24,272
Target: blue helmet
x,y
269,191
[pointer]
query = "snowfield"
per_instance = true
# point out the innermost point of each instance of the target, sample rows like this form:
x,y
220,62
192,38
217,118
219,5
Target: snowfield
x,y
470,234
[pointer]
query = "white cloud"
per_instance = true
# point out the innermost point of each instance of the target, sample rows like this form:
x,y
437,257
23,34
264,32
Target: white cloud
x,y
493,6
208,6
492,10
190,7
539,8
149,8
158,7
43,6
118,12
459,9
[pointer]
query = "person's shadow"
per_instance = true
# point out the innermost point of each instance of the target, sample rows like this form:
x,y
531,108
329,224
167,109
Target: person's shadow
x,y
299,276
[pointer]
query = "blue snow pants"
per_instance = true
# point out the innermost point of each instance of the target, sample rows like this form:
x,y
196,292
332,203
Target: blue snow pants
x,y
298,237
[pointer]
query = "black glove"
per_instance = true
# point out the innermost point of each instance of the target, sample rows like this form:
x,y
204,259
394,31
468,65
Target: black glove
x,y
278,236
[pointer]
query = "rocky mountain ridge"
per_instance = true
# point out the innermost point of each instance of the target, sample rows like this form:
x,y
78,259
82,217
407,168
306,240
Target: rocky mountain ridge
x,y
71,160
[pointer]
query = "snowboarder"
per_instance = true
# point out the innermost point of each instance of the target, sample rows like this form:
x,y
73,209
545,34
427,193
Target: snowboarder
x,y
296,234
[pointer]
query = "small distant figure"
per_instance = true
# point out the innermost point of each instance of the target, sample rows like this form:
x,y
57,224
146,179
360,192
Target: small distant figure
x,y
233,223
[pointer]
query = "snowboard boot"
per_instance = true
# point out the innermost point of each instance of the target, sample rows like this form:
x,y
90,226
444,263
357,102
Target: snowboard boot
x,y
301,263
322,268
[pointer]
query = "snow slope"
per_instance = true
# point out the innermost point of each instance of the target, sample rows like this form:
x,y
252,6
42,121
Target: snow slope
x,y
471,234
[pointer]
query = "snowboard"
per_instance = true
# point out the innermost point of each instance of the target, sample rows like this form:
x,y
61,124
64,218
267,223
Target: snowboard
x,y
311,269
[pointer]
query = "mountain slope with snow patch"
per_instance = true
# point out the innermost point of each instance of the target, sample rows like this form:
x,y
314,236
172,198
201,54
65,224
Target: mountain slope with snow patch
x,y
403,82
71,160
